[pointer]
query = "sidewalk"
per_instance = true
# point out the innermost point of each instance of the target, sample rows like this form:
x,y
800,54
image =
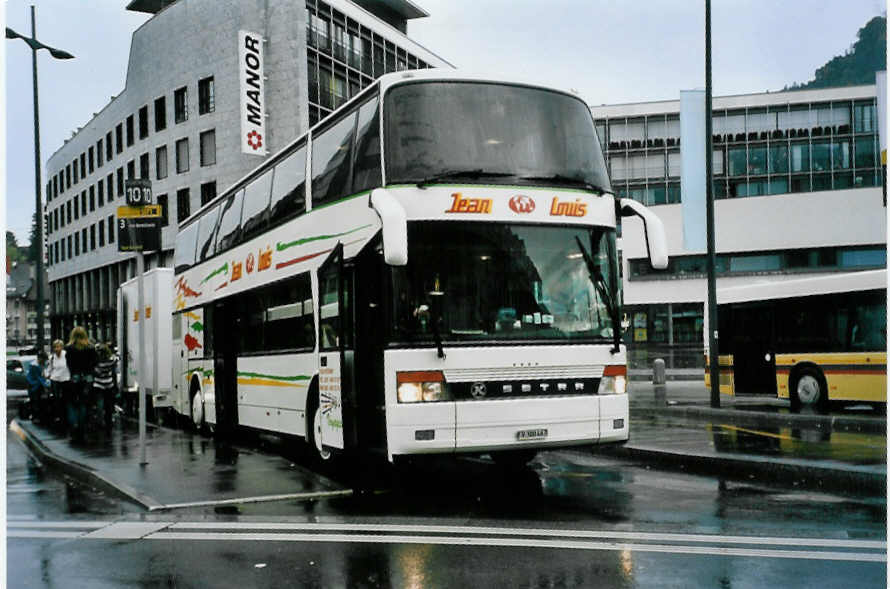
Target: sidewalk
x,y
182,470
755,438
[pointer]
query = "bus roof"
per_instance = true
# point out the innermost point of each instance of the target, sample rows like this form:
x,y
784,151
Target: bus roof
x,y
801,287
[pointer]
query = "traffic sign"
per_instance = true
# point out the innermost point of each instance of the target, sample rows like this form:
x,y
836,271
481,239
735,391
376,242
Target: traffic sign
x,y
138,192
139,228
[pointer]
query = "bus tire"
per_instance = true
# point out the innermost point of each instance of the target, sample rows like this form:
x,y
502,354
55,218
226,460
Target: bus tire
x,y
196,407
313,426
809,390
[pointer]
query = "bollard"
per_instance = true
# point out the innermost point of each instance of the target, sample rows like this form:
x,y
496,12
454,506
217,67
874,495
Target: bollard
x,y
658,380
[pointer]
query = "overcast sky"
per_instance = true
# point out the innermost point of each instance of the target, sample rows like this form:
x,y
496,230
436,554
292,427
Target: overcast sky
x,y
610,51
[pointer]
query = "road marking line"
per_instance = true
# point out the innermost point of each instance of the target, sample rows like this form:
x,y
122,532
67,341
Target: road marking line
x,y
258,499
438,529
759,433
42,534
62,524
522,543
127,530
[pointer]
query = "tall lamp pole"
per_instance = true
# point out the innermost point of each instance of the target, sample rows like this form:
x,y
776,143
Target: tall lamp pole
x,y
713,342
34,44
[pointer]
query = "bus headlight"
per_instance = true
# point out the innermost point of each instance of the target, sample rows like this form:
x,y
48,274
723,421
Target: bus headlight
x,y
422,386
614,381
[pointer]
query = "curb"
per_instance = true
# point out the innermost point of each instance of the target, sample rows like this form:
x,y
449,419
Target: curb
x,y
758,418
814,476
81,472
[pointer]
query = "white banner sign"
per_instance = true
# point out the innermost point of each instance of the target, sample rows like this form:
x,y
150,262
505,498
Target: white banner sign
x,y
253,105
693,185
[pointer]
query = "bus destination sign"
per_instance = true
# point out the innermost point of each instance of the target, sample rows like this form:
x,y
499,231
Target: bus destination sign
x,y
138,192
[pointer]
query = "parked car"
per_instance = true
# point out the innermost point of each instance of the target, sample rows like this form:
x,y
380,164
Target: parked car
x,y
16,370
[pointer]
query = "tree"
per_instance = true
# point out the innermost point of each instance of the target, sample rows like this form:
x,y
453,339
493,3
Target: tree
x,y
858,66
33,249
13,254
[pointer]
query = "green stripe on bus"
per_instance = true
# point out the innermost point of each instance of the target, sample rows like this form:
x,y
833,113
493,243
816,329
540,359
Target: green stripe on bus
x,y
224,269
283,246
274,376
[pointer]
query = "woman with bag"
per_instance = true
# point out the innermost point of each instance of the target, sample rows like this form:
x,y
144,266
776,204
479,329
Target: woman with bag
x,y
81,359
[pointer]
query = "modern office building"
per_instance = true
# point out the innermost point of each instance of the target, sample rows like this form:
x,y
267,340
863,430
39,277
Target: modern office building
x,y
178,122
797,183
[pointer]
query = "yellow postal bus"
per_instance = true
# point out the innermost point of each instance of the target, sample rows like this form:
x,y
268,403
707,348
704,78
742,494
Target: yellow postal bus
x,y
811,340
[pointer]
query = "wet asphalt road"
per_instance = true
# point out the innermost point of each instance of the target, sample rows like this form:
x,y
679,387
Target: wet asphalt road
x,y
572,520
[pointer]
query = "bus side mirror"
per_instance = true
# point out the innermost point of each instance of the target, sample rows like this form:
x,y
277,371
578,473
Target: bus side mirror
x,y
395,226
656,242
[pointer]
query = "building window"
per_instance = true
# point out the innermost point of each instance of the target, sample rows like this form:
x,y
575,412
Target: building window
x,y
99,154
183,208
101,234
162,202
119,138
161,162
77,206
208,192
109,186
206,101
208,147
143,167
108,147
130,135
110,222
180,105
143,122
68,210
100,189
131,170
160,114
182,155
83,166
90,160
120,181
92,237
68,176
74,167
83,203
92,198
77,244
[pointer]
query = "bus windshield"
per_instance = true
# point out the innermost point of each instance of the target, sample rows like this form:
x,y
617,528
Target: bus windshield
x,y
490,134
498,281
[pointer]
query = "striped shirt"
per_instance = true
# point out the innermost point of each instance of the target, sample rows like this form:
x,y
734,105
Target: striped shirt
x,y
103,375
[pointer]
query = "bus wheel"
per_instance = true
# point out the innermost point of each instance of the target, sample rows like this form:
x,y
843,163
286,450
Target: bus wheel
x,y
809,390
513,459
197,411
314,430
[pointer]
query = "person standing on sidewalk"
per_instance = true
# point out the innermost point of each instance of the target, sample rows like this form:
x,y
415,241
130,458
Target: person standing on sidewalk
x,y
103,382
81,358
37,388
59,378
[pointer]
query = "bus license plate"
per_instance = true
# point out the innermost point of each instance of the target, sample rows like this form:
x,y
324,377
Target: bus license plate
x,y
531,434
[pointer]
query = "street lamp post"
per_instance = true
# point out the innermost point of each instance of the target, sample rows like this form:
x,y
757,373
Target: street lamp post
x,y
34,44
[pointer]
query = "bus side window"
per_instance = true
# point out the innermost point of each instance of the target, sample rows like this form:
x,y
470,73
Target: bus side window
x,y
255,212
366,169
289,321
185,248
289,187
331,153
207,234
229,232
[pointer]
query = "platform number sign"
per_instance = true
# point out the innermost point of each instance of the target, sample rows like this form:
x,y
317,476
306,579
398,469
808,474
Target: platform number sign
x,y
138,193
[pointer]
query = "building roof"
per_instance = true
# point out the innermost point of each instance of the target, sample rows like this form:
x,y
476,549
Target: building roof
x,y
149,6
403,8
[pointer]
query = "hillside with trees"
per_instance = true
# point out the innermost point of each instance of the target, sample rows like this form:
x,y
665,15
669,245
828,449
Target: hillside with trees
x,y
859,64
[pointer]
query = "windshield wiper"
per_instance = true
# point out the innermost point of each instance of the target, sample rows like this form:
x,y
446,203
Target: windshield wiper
x,y
560,178
599,283
451,174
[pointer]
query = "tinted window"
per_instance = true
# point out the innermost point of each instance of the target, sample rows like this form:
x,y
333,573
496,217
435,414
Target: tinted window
x,y
230,223
289,186
207,233
288,318
366,169
184,255
255,215
330,161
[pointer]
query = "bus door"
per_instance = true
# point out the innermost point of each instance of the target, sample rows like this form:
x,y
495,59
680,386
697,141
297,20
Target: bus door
x,y
753,350
336,352
225,385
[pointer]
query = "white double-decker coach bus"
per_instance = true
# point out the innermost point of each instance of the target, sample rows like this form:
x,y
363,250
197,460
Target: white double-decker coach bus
x,y
431,269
